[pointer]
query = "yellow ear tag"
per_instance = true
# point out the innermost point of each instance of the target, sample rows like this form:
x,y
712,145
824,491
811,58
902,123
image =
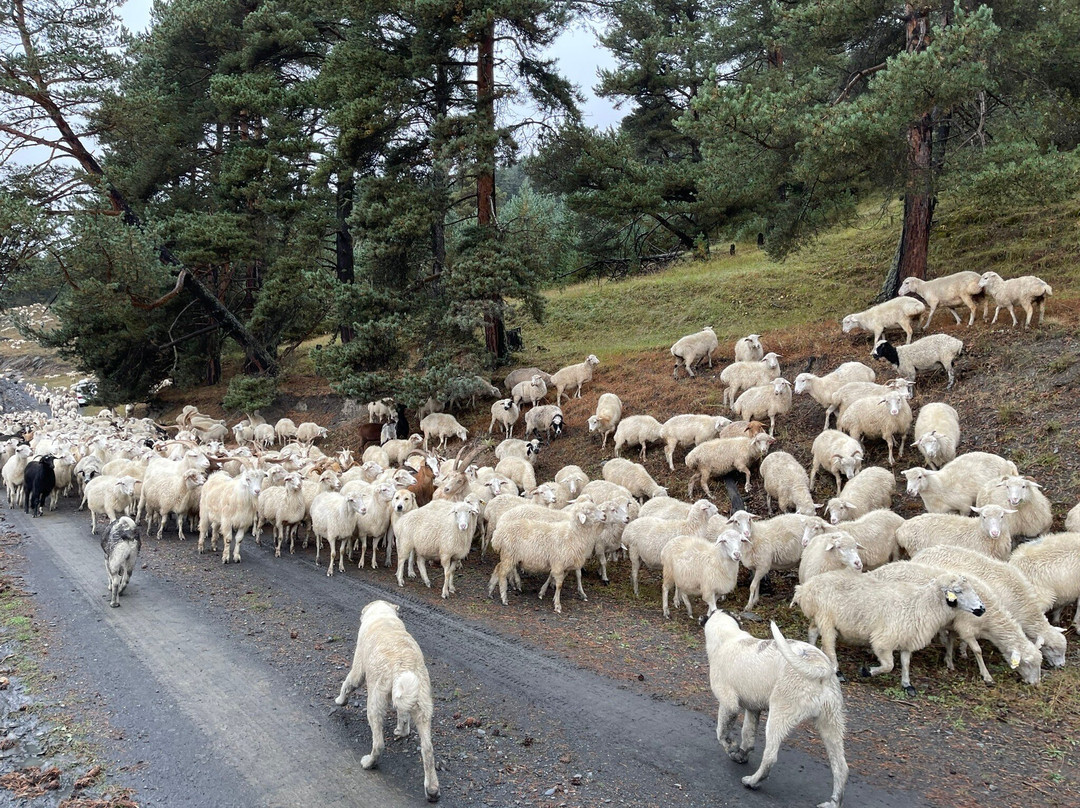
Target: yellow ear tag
x,y
951,597
1014,660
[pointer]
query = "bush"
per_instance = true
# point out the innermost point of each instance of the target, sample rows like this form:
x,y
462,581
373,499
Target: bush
x,y
250,393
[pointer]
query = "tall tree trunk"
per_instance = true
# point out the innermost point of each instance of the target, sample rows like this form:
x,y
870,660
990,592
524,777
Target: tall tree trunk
x,y
920,198
494,329
344,258
440,178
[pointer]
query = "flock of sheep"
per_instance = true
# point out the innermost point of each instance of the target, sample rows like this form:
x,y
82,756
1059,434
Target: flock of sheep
x,y
964,578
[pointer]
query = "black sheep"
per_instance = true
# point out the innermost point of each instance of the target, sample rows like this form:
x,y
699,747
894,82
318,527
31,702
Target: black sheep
x,y
39,482
402,423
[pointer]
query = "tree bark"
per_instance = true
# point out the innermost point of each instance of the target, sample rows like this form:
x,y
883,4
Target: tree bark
x,y
344,258
920,197
494,328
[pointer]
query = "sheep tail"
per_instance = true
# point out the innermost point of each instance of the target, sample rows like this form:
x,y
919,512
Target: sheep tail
x,y
812,669
406,692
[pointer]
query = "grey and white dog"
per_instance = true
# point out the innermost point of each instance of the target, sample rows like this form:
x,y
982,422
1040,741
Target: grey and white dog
x,y
121,544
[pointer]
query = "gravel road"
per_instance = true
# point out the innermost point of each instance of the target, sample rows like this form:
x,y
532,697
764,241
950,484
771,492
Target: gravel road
x,y
202,712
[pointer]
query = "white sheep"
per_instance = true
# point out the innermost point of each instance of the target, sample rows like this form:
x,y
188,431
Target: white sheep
x,y
837,453
1027,290
333,518
870,489
937,433
229,506
886,418
546,417
265,436
886,615
440,530
606,419
377,454
875,536
740,376
692,348
284,506
827,552
689,430
552,547
792,680
374,524
1032,515
960,288
764,400
995,624
285,430
442,426
645,537
637,430
515,377
110,496
900,312
748,349
573,376
696,566
1072,519
175,494
504,412
775,543
1052,564
986,533
573,478
633,477
399,448
955,487
1011,588
720,456
308,432
923,354
823,388
785,480
850,392
519,470
531,390
515,447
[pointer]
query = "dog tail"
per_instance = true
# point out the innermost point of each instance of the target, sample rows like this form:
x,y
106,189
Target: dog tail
x,y
814,667
406,691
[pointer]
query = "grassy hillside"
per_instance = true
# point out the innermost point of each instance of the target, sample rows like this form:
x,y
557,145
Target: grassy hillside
x,y
838,274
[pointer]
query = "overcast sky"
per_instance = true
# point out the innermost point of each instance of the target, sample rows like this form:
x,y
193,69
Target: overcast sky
x,y
577,52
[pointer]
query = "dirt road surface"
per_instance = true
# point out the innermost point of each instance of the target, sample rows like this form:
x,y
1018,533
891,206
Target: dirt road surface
x,y
201,711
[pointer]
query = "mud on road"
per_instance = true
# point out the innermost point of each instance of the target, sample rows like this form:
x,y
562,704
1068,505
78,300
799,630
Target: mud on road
x,y
214,686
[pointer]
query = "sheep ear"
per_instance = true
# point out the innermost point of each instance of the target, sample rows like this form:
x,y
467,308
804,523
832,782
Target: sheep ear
x,y
1039,643
976,510
818,505
581,518
860,546
1014,659
830,546
1010,510
1032,481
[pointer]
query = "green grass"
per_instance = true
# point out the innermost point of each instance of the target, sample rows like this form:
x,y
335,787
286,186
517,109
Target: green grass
x,y
839,273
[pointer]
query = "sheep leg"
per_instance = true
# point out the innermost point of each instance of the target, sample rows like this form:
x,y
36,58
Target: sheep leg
x,y
1029,309
956,316
778,726
976,650
363,552
376,709
635,569
686,602
93,525
448,576
889,441
664,597
969,301
755,588
1012,313
603,568
669,453
905,671
580,588
930,316
906,325
996,310
768,502
421,562
332,543
745,470
828,644
812,633
1076,616
644,448
558,576
1042,310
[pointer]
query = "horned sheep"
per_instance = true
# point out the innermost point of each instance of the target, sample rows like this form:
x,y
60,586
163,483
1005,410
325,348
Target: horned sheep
x,y
900,312
692,348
